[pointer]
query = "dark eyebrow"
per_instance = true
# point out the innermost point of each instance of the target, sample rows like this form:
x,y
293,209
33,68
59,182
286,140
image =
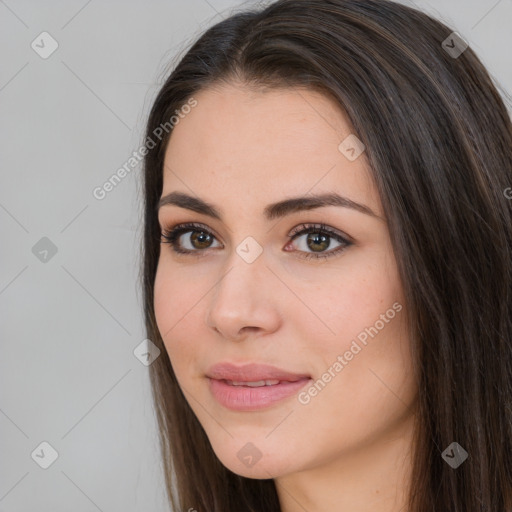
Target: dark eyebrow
x,y
272,211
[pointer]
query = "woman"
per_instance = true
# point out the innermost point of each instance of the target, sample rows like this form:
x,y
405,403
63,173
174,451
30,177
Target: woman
x,y
327,266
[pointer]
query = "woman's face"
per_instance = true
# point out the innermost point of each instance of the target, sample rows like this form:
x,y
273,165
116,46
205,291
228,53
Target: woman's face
x,y
324,308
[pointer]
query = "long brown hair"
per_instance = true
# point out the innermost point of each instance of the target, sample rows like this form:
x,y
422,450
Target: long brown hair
x,y
439,143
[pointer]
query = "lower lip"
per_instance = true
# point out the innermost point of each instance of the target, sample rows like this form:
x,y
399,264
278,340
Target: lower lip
x,y
244,398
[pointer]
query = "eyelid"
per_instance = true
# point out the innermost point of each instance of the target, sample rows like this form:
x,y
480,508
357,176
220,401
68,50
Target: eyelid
x,y
177,230
320,226
296,230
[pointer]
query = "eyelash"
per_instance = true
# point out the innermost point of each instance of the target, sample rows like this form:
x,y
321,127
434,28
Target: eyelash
x,y
171,237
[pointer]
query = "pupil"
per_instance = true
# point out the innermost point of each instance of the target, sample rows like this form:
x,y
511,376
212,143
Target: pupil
x,y
318,239
202,237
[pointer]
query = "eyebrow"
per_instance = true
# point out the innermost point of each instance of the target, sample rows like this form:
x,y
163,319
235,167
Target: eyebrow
x,y
271,211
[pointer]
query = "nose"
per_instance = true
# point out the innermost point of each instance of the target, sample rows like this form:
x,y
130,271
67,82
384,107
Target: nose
x,y
244,301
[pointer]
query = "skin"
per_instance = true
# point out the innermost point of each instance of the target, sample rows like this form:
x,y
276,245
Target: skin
x,y
241,149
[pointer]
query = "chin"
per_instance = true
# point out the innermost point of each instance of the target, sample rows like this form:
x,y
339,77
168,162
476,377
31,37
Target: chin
x,y
250,463
259,471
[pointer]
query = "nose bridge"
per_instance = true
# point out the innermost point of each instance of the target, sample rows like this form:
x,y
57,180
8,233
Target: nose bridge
x,y
240,297
246,266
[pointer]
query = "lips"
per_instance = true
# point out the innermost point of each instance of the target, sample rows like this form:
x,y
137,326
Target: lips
x,y
252,373
253,386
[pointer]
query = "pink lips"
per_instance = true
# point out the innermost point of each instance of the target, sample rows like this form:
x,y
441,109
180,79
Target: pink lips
x,y
253,386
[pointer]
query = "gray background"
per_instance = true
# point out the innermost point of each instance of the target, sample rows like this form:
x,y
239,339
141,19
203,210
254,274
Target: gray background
x,y
69,324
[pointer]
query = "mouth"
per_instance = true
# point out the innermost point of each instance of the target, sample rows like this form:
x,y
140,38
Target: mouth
x,y
256,384
252,387
252,373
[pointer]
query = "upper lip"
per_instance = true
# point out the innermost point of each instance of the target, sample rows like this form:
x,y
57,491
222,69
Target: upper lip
x,y
252,373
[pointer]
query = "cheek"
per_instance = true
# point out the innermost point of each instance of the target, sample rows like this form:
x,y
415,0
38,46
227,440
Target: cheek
x,y
371,337
164,301
346,303
363,321
174,302
176,291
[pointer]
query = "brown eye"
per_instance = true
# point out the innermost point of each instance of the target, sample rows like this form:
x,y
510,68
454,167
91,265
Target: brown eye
x,y
200,239
188,238
318,242
195,240
319,238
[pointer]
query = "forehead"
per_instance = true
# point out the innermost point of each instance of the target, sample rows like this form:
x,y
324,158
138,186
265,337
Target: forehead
x,y
264,144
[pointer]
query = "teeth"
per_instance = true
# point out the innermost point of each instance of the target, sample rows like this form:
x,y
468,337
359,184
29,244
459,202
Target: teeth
x,y
256,384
